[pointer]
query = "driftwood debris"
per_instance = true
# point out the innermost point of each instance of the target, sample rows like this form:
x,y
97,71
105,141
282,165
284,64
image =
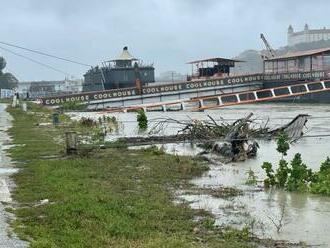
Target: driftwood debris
x,y
236,146
210,129
294,129
207,132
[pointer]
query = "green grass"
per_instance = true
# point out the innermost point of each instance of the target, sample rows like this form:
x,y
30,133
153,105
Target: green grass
x,y
112,198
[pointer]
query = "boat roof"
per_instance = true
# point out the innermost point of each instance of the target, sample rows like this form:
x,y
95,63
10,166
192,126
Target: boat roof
x,y
300,54
125,55
217,59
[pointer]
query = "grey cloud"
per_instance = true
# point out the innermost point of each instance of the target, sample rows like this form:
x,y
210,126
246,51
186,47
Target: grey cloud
x,y
166,32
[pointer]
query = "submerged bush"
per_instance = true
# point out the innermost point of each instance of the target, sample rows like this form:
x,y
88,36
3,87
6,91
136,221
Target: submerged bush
x,y
142,119
87,122
283,144
297,176
155,150
282,173
325,166
252,178
270,179
300,176
67,106
321,180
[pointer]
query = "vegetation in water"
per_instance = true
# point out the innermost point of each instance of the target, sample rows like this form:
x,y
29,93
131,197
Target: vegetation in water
x,y
321,181
87,122
252,178
283,144
296,176
95,131
142,119
69,106
270,179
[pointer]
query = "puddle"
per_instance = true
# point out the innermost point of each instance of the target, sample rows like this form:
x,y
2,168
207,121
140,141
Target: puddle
x,y
187,149
7,171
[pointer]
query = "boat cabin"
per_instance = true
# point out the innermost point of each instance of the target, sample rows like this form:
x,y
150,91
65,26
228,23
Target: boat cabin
x,y
211,68
122,72
302,61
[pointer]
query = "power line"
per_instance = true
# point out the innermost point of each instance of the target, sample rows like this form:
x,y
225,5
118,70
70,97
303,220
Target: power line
x,y
37,62
45,54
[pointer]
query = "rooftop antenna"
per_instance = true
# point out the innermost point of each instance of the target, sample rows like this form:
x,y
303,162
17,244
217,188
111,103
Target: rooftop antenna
x,y
270,50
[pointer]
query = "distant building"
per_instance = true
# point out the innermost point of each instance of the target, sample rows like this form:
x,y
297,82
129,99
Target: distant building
x,y
307,35
36,89
6,93
122,72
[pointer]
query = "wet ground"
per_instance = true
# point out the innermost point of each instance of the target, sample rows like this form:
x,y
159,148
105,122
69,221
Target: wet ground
x,y
305,217
7,238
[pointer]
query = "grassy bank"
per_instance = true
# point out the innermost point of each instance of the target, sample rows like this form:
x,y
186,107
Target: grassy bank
x,y
111,198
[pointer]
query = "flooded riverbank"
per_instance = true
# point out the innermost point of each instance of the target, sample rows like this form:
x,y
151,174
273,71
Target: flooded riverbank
x,y
305,216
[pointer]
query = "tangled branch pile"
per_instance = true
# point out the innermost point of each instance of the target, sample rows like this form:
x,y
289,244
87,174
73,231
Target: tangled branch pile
x,y
211,129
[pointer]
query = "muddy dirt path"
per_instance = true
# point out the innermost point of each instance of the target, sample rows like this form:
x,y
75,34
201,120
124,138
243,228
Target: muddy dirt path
x,y
7,238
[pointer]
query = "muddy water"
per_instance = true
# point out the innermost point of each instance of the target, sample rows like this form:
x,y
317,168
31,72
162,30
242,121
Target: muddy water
x,y
7,238
305,217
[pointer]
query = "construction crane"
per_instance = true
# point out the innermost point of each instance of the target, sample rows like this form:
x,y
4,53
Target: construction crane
x,y
270,50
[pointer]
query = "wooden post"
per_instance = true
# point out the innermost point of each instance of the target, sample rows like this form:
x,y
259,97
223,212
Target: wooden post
x,y
71,143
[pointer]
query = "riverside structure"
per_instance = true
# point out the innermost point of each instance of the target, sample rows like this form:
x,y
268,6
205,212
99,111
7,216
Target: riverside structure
x,y
213,77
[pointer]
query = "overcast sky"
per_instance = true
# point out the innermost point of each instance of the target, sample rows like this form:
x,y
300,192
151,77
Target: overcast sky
x,y
167,33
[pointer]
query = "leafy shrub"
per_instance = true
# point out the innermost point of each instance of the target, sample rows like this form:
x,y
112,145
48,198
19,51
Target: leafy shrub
x,y
208,223
297,177
142,120
321,181
282,173
252,178
67,106
283,144
300,176
87,122
325,166
270,180
155,150
98,135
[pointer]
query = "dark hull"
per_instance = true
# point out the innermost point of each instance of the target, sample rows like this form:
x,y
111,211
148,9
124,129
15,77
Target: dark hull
x,y
320,97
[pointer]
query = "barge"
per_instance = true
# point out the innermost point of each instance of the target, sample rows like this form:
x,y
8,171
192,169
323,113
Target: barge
x,y
209,77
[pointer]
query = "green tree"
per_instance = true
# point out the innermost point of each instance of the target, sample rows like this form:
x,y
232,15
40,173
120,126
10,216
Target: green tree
x,y
283,144
270,180
325,166
7,80
300,176
282,173
321,181
142,119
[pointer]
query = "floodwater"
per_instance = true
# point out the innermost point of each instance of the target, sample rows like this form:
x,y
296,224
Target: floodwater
x,y
305,217
7,238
